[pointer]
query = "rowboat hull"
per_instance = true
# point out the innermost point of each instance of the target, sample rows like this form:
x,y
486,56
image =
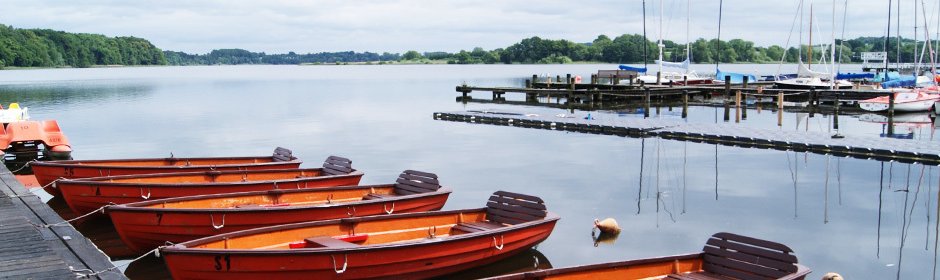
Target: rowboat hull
x,y
144,228
399,246
418,261
86,195
47,172
910,106
652,268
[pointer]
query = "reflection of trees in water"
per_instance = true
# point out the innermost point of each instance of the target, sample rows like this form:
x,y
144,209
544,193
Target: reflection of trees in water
x,y
40,96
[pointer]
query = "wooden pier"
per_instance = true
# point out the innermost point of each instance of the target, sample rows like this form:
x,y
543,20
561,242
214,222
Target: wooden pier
x,y
885,149
29,250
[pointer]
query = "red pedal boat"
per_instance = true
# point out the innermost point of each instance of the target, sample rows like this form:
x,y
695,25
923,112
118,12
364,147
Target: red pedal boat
x,y
49,171
85,195
146,225
399,246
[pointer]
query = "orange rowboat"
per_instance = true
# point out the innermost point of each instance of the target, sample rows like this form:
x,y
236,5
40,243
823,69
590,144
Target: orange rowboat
x,y
725,256
49,171
146,225
399,246
86,195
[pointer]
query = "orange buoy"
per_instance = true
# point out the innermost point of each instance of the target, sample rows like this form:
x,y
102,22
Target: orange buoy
x,y
608,225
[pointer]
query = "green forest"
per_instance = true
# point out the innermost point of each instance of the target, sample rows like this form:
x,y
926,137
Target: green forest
x,y
50,48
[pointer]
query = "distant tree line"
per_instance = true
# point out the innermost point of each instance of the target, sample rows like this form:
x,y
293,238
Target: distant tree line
x,y
629,48
240,56
50,48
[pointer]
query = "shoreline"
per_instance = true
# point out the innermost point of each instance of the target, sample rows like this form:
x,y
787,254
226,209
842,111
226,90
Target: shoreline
x,y
368,63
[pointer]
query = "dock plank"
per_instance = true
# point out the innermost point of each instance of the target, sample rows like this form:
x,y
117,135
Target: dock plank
x,y
28,251
863,147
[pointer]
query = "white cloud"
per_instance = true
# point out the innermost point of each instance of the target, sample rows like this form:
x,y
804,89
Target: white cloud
x,y
399,25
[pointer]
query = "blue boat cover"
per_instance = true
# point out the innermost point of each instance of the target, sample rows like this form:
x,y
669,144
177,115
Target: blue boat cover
x,y
631,68
736,78
880,77
854,76
903,81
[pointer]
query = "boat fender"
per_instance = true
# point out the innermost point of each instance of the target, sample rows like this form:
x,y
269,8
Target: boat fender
x,y
608,225
577,79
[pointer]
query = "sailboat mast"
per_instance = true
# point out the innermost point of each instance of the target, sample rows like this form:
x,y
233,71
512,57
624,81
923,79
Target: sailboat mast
x,y
688,19
930,50
888,35
810,50
646,45
832,49
660,44
718,41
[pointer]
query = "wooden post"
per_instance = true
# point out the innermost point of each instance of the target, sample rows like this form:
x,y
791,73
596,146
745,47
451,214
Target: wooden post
x,y
593,79
631,77
646,102
727,98
744,85
780,108
685,80
568,78
891,114
835,116
737,106
812,102
528,83
535,79
659,77
558,79
685,104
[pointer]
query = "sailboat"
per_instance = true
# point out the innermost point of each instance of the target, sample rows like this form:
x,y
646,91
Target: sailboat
x,y
721,76
687,77
806,78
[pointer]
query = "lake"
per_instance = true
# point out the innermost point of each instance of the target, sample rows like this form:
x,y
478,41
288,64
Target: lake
x,y
864,219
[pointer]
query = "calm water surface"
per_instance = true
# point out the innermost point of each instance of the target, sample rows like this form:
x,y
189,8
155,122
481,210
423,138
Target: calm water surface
x,y
862,218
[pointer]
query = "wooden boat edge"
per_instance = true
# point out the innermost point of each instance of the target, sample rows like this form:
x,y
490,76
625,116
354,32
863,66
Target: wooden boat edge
x,y
137,206
183,248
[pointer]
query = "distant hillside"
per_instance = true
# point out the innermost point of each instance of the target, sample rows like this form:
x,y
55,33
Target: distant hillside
x,y
50,48
240,56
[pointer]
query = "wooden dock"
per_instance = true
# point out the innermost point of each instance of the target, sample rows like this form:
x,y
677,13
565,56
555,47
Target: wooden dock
x,y
885,149
29,250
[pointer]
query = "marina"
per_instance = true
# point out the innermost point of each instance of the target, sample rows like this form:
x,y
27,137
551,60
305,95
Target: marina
x,y
664,205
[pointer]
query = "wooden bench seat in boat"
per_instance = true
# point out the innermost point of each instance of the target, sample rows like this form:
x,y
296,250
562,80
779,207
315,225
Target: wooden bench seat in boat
x,y
732,256
410,182
477,226
326,241
335,165
513,208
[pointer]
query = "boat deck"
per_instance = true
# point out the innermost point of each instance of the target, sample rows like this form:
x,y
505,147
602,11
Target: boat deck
x,y
910,151
28,251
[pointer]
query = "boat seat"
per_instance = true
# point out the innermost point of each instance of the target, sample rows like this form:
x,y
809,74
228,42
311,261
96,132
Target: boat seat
x,y
415,182
476,227
282,154
326,241
373,196
513,208
334,165
732,256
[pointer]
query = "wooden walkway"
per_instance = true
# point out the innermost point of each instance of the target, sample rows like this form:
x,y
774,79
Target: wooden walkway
x,y
28,251
729,134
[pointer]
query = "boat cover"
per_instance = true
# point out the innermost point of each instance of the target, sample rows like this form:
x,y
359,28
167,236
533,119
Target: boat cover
x,y
681,65
631,68
736,78
903,81
854,76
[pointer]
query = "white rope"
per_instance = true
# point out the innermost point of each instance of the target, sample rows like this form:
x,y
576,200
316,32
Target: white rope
x,y
155,252
66,222
25,165
32,192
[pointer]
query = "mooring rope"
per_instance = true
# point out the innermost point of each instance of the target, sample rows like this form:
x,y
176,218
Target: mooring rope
x,y
33,191
92,273
25,165
66,222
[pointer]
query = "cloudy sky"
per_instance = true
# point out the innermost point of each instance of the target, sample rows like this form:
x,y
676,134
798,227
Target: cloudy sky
x,y
277,26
